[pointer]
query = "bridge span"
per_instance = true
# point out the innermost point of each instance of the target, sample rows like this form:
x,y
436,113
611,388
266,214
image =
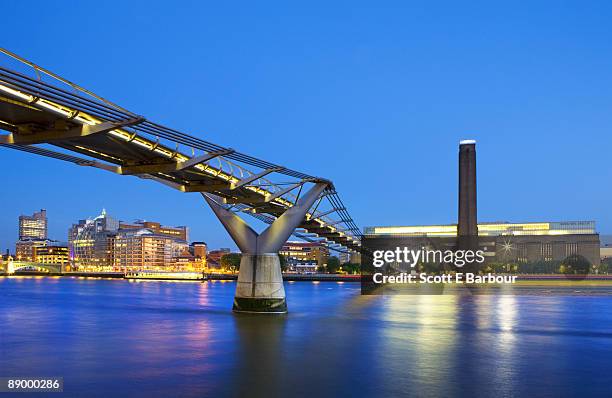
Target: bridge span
x,y
47,115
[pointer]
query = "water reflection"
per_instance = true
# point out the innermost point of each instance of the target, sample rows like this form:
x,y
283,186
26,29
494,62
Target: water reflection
x,y
259,354
167,339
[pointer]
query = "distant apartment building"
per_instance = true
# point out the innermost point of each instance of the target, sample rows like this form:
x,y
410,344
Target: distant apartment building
x,y
213,258
106,244
192,258
181,232
304,256
199,250
34,226
143,249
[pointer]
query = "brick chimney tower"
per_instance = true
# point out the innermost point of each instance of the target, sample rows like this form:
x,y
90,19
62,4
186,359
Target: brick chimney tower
x,y
467,228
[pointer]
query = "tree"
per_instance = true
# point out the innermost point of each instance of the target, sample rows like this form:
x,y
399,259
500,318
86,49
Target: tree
x,y
575,265
283,262
539,267
231,261
605,265
351,268
333,264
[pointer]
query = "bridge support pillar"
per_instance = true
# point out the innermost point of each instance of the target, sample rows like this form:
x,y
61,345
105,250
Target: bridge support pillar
x,y
260,281
260,285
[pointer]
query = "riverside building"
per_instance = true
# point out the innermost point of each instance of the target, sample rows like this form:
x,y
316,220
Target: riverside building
x,y
143,249
181,232
25,249
105,244
91,243
503,242
56,254
304,257
32,234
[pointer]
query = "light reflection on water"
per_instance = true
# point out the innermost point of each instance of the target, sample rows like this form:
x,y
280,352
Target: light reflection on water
x,y
169,339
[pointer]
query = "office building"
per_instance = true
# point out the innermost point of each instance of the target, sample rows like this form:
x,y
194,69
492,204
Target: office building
x,y
106,244
25,248
213,258
56,254
199,252
91,242
188,261
34,226
199,249
302,256
143,249
181,232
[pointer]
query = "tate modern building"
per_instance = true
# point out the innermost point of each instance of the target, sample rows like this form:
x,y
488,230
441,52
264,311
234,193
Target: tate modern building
x,y
505,242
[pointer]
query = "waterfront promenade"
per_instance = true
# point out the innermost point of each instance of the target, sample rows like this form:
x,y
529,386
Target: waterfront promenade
x,y
210,276
523,279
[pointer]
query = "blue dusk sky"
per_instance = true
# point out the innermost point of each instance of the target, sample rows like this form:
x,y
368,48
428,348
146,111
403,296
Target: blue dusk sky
x,y
374,96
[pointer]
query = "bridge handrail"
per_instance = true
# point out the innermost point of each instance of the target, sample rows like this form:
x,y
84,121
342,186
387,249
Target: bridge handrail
x,y
109,111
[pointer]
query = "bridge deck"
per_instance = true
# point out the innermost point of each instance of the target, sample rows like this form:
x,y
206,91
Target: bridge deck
x,y
111,138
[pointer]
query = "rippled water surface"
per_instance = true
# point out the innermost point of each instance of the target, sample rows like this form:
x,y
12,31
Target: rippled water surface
x,y
119,338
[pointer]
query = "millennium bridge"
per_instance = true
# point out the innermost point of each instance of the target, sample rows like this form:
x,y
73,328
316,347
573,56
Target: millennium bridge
x,y
45,114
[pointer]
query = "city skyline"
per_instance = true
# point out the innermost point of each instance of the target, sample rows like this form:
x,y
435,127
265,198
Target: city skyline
x,y
367,229
106,244
63,235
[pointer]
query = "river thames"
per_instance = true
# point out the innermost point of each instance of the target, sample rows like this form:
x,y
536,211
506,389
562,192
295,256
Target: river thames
x,y
120,338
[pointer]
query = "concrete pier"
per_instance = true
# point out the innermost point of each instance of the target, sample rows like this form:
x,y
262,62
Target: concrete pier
x,y
260,285
260,281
